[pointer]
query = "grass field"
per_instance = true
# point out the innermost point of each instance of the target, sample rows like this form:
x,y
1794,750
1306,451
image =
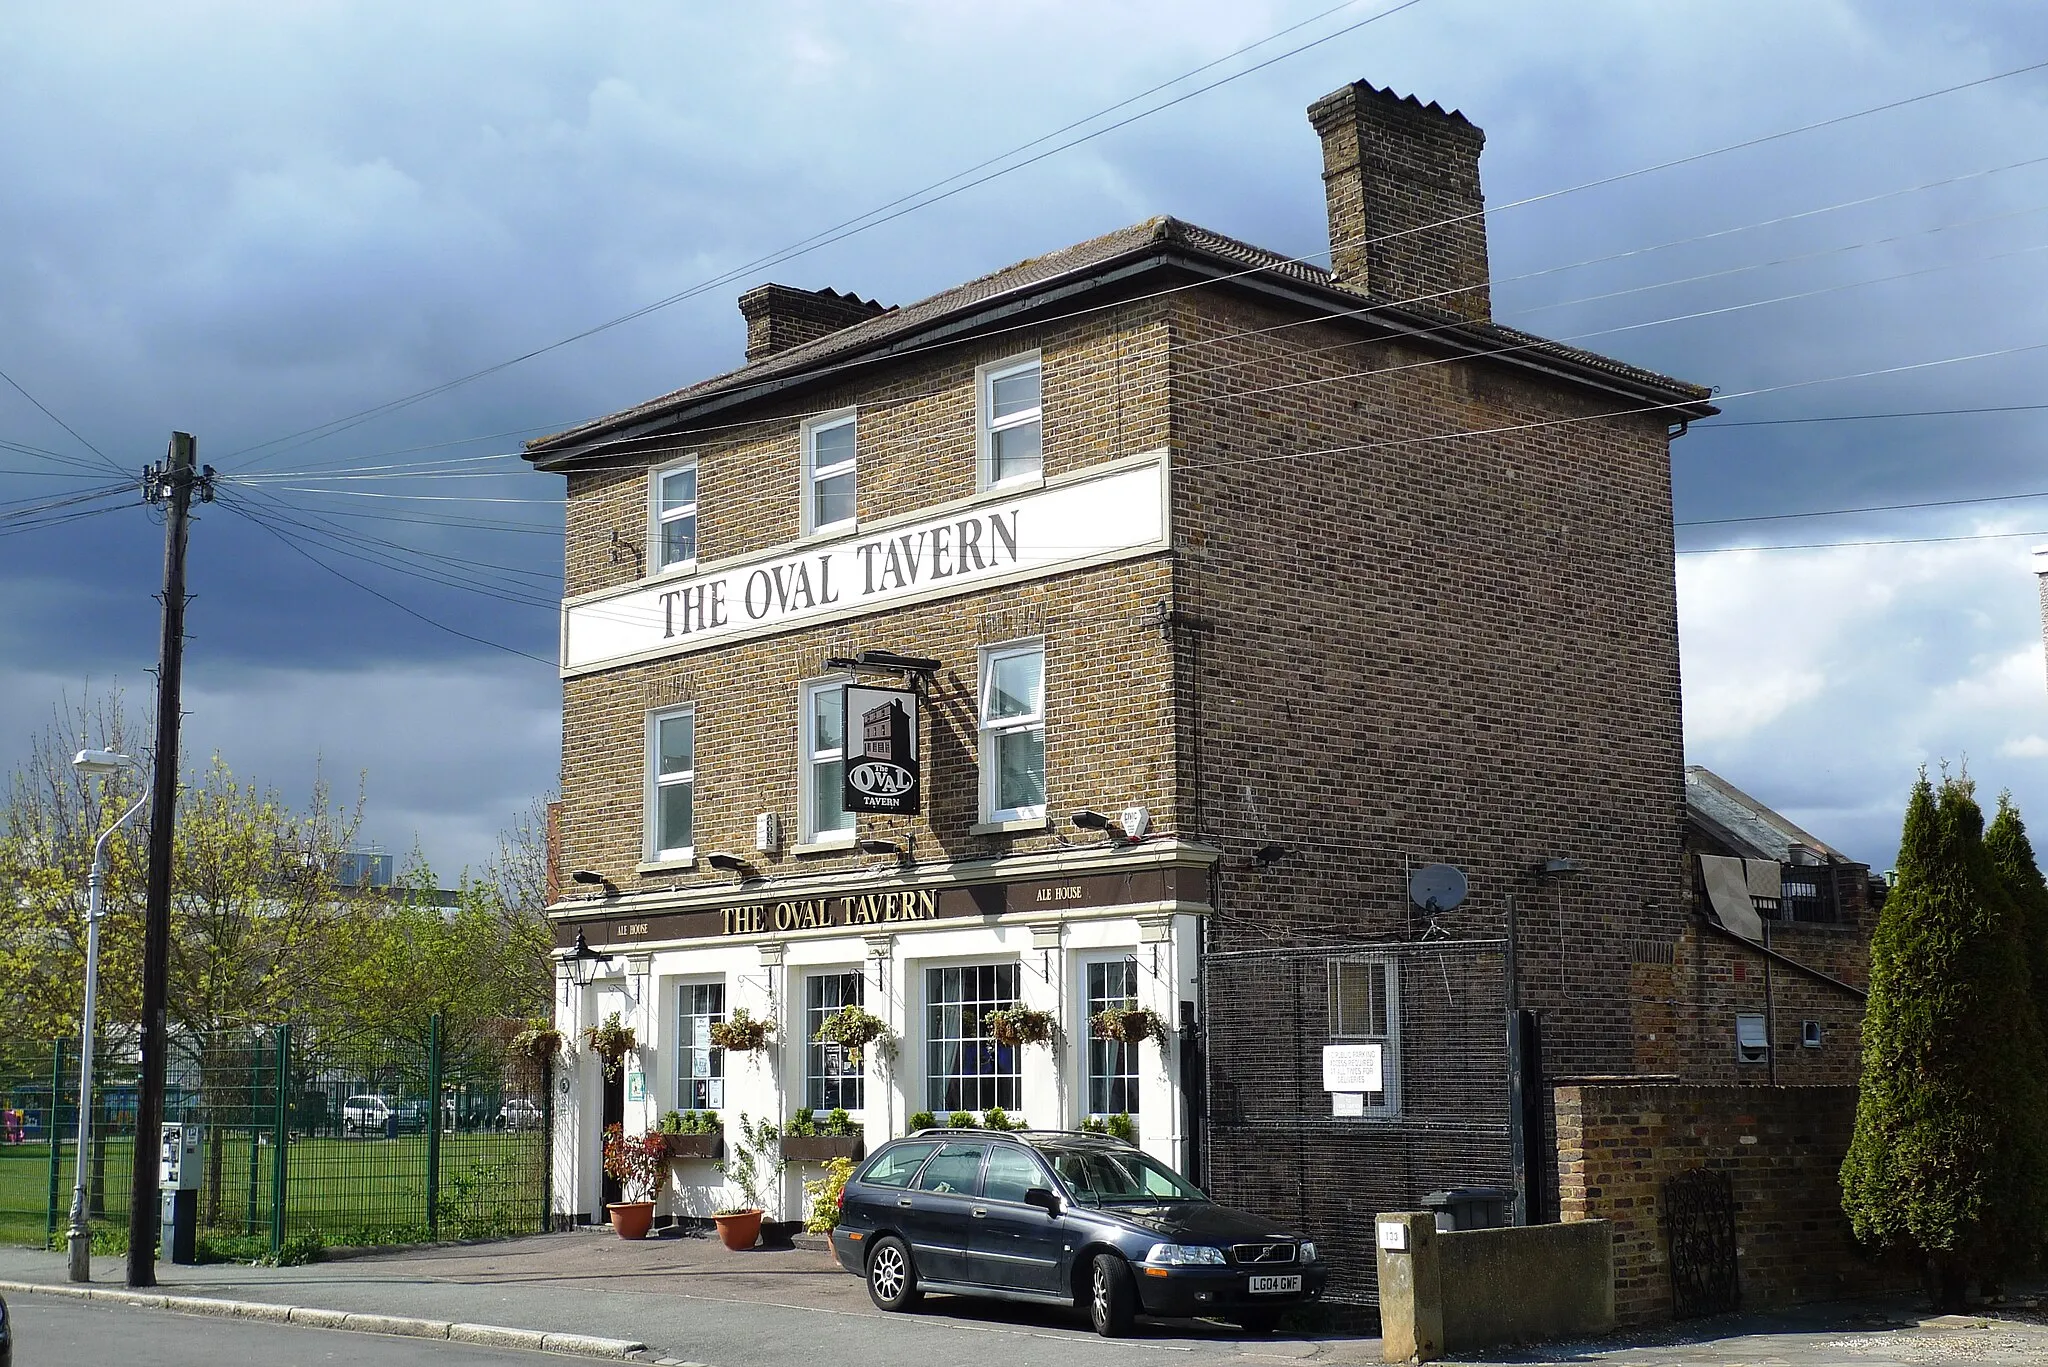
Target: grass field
x,y
348,1190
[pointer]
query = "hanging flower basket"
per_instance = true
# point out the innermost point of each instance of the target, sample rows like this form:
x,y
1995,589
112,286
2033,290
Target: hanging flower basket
x,y
1129,1024
611,1042
537,1042
853,1030
1017,1025
742,1032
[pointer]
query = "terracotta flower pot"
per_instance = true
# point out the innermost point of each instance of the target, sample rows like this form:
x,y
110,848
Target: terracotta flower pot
x,y
739,1229
632,1219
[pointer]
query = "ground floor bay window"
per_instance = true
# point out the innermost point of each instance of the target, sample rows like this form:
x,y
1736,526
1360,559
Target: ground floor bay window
x,y
965,1070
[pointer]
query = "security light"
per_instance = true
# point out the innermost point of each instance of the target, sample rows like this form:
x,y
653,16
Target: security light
x,y
872,846
727,863
1091,820
586,876
1266,856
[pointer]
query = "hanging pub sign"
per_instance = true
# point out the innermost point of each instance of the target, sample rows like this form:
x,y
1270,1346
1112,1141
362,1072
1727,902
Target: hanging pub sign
x,y
880,730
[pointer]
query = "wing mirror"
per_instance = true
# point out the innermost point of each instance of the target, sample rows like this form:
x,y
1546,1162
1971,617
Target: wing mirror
x,y
1043,1199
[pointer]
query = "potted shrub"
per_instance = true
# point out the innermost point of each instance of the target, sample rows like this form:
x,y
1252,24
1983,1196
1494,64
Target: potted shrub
x,y
742,1032
611,1041
806,1139
1130,1024
691,1134
1119,1126
996,1118
638,1163
854,1030
824,1193
961,1120
923,1120
1015,1025
751,1165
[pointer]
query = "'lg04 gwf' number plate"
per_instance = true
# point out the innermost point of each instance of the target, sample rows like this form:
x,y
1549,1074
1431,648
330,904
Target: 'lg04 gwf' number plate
x,y
1271,1284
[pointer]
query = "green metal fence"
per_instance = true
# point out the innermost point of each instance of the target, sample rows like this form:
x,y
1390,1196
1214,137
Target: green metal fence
x,y
306,1133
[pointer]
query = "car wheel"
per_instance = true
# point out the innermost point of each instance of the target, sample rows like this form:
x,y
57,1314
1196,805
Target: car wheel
x,y
892,1277
1112,1300
1259,1321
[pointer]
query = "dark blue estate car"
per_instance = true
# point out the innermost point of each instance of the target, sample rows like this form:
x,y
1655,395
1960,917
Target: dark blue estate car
x,y
1067,1219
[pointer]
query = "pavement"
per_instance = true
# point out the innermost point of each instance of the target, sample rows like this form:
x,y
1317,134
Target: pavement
x,y
688,1300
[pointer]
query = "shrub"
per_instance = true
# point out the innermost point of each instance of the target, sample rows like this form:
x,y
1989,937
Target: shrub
x,y
839,1122
638,1163
961,1120
823,1194
1948,1165
804,1122
996,1118
923,1120
1121,1126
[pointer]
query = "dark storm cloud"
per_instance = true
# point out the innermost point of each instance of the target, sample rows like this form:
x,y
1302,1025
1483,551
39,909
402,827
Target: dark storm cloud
x,y
246,221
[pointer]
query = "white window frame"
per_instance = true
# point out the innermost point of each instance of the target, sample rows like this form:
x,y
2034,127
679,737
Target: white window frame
x,y
807,758
1084,1029
991,769
653,781
814,1052
716,1055
986,426
657,519
1389,967
811,473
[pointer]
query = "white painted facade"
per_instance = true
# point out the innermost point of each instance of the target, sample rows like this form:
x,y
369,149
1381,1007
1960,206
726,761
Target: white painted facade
x,y
766,974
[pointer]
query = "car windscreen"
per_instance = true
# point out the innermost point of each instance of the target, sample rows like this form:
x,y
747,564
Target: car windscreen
x,y
1111,1177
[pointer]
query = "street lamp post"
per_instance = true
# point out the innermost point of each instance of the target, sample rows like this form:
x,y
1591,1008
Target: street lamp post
x,y
99,763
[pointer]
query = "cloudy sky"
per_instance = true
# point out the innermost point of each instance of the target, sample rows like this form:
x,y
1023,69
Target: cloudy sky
x,y
286,228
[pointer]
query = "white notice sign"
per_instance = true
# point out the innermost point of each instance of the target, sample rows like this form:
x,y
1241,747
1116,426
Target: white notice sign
x,y
1351,1068
1089,519
1347,1104
1393,1236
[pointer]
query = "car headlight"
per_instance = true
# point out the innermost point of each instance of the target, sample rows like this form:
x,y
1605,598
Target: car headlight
x,y
1308,1251
1183,1255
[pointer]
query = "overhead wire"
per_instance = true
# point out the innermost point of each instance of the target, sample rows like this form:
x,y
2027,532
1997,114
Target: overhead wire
x,y
860,224
105,460
341,424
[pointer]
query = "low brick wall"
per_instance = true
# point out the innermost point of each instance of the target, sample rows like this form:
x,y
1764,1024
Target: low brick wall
x,y
1782,1147
1525,1284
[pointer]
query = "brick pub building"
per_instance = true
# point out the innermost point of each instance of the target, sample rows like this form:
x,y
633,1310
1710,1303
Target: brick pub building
x,y
1303,580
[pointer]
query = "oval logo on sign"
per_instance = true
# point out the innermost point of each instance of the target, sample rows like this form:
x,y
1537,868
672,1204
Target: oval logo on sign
x,y
878,778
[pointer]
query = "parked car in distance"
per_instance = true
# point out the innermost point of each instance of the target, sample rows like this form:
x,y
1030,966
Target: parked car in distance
x,y
1066,1218
6,1336
381,1115
519,1114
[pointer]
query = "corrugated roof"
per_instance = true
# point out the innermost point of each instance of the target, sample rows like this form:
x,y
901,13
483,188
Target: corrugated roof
x,y
1765,834
1157,236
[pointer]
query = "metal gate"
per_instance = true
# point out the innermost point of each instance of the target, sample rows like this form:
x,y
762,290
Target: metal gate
x,y
1699,1224
1281,1144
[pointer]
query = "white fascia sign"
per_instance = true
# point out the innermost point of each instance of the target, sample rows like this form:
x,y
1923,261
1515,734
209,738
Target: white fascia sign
x,y
1112,512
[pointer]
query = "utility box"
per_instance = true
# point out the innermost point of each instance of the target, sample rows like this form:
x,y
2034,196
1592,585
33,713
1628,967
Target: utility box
x,y
178,1172
1471,1207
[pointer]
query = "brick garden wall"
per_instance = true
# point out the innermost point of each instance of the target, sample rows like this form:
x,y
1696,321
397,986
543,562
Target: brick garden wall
x,y
1781,1146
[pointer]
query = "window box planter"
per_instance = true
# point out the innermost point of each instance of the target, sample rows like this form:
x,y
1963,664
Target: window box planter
x,y
700,1145
822,1148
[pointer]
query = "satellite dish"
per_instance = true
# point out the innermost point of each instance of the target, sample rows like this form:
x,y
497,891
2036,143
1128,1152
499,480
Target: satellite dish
x,y
1436,887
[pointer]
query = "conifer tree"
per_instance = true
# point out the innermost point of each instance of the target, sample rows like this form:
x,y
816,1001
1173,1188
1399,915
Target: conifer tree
x,y
2013,855
1949,1161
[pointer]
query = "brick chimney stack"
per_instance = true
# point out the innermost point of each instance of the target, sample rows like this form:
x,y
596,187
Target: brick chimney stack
x,y
781,316
1407,220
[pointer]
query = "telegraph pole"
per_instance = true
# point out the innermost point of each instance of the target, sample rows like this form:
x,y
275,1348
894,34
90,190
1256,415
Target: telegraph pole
x,y
170,486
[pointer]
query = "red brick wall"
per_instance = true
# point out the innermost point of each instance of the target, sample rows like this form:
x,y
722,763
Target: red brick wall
x,y
1781,1146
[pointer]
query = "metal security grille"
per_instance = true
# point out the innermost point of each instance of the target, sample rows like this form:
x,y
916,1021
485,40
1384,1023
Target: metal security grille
x,y
1437,1009
1699,1226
